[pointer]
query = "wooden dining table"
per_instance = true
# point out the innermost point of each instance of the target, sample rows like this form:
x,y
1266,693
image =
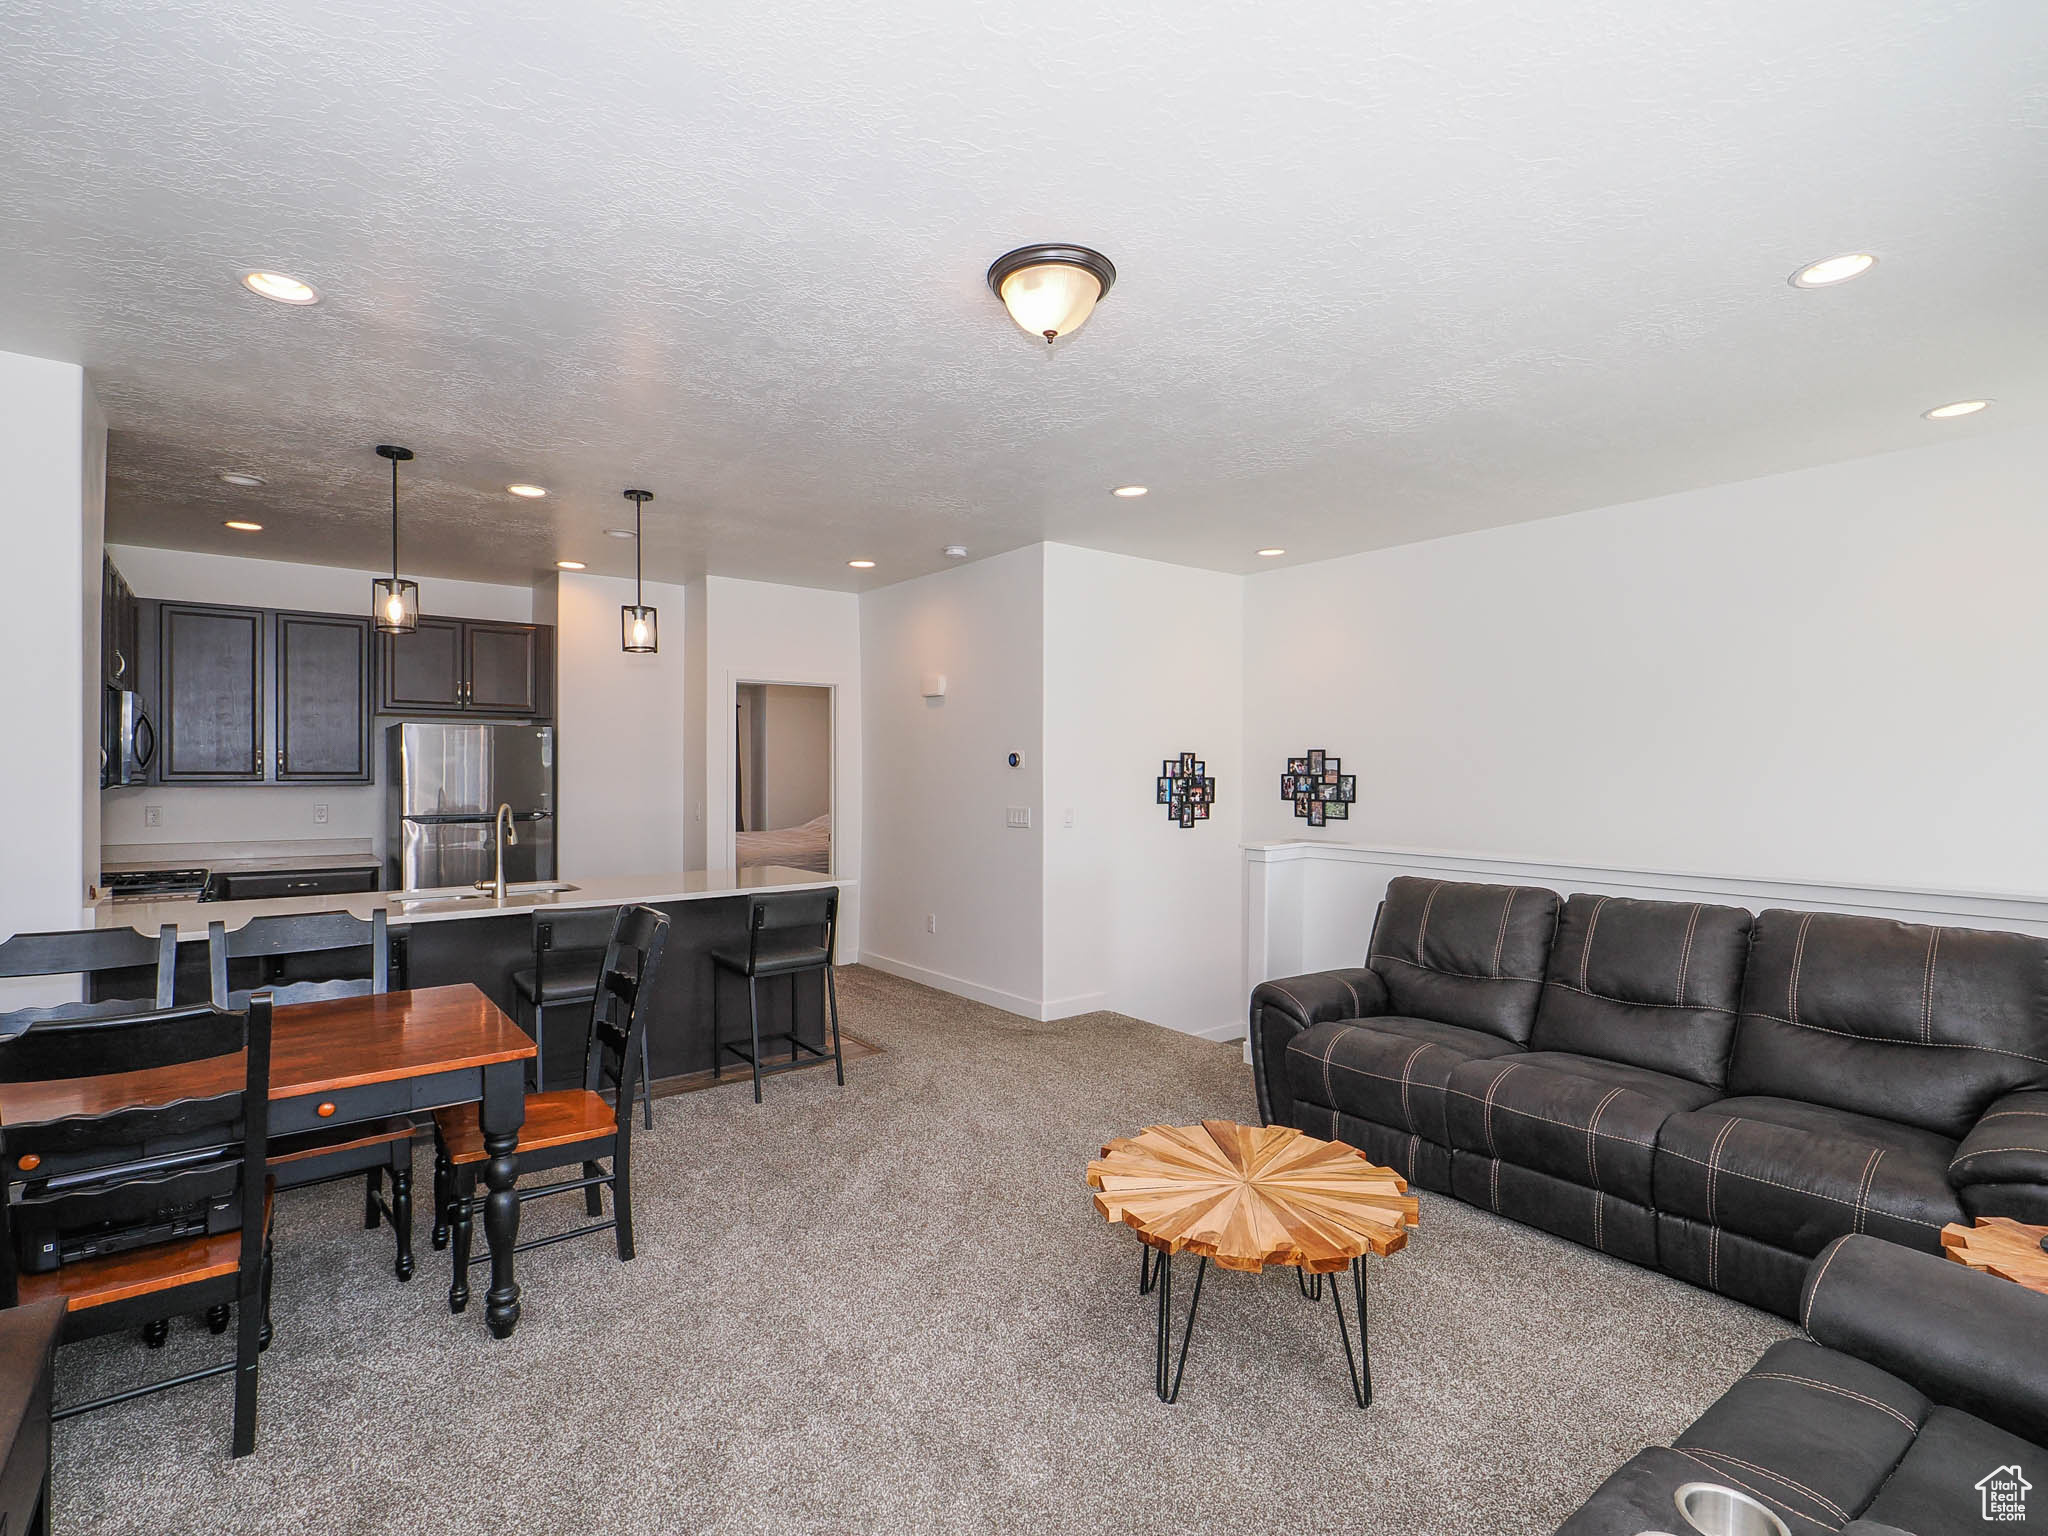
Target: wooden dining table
x,y
356,1059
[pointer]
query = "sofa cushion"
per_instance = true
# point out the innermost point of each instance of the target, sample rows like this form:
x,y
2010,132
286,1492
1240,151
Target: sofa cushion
x,y
1392,1070
1798,1175
1470,955
1579,1118
1911,1023
1934,1491
1651,983
1818,1430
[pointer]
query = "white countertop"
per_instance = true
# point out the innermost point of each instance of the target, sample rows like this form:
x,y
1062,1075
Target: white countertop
x,y
239,858
603,891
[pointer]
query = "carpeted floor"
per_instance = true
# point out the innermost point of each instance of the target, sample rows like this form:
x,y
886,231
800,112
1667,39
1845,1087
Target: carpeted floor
x,y
893,1308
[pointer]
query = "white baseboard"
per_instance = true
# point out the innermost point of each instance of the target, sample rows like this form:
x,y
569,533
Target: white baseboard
x,y
1231,1031
959,986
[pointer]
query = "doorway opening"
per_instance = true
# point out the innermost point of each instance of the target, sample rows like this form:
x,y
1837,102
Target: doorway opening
x,y
782,785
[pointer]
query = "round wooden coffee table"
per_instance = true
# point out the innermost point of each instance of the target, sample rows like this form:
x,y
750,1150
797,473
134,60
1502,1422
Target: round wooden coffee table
x,y
1248,1197
2000,1246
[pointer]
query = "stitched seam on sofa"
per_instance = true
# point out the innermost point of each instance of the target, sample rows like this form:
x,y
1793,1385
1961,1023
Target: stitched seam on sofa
x,y
1586,946
1769,1498
1486,1115
1304,1007
1496,1186
1820,1500
1863,1186
1348,987
1414,1151
1795,1189
1792,979
2001,1114
1828,1386
1599,1209
1637,1002
1713,1167
1931,1045
1530,1114
1813,1291
1437,970
1927,988
1422,928
1987,1151
1713,1221
1593,1136
1329,1047
1685,950
1500,940
1407,1067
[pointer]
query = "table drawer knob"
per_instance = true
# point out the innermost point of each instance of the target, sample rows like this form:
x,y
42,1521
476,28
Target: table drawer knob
x,y
324,1110
30,1163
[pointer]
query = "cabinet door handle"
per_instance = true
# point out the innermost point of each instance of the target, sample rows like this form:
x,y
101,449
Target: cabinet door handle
x,y
324,1110
120,664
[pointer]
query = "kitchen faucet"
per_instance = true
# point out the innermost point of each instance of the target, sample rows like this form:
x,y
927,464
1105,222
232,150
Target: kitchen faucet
x,y
503,833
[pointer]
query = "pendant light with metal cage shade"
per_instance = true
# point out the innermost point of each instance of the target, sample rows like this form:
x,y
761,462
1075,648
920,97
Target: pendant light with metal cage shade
x,y
395,603
637,628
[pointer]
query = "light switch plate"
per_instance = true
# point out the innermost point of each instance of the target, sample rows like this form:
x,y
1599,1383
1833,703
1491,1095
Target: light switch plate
x,y
1018,816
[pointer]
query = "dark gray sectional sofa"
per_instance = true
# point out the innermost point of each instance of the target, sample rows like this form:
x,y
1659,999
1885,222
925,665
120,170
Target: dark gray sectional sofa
x,y
1677,1083
1917,1381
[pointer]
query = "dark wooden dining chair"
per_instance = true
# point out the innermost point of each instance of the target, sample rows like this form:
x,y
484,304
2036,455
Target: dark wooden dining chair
x,y
277,949
86,951
568,1126
137,1212
29,1336
789,933
568,957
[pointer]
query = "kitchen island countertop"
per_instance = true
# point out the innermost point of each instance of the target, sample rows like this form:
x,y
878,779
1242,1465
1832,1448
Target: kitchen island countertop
x,y
192,917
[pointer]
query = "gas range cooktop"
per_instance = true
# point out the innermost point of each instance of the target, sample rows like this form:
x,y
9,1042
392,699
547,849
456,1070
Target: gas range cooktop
x,y
154,884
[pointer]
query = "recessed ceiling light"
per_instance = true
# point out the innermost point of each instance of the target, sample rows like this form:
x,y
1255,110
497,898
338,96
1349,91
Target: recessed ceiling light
x,y
237,477
1128,491
285,290
862,565
530,492
955,551
1835,269
1268,554
1954,409
571,565
241,527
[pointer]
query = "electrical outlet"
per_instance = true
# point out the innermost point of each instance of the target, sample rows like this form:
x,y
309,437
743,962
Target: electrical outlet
x,y
1070,816
152,815
1018,816
931,922
320,814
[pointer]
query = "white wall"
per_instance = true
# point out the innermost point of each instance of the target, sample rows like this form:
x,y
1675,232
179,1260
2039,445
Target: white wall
x,y
1829,676
1143,661
761,632
795,760
620,773
696,698
938,783
52,442
241,813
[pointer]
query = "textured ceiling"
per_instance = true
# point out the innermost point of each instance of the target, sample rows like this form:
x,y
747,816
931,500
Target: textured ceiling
x,y
1386,271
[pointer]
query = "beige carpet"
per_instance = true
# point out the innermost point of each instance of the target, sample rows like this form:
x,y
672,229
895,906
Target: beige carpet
x,y
892,1308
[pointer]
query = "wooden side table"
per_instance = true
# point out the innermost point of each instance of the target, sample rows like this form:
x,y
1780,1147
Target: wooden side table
x,y
2000,1246
1249,1196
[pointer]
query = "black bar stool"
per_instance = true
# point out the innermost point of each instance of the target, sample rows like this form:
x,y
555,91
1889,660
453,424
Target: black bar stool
x,y
84,952
568,958
788,933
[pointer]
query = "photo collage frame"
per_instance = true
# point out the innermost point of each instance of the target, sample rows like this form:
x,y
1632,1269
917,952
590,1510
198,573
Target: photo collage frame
x,y
1321,790
1186,790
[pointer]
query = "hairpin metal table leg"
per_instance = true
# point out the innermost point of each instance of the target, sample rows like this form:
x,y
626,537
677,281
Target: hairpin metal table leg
x,y
1311,1285
1165,1384
1361,1367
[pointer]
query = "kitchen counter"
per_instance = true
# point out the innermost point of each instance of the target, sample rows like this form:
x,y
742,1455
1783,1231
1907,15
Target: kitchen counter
x,y
192,916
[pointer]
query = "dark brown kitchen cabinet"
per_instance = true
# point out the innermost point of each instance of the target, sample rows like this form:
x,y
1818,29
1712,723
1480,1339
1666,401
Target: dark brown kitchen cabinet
x,y
120,629
321,718
210,678
468,667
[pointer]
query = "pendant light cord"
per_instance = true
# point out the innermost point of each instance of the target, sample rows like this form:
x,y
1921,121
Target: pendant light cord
x,y
394,523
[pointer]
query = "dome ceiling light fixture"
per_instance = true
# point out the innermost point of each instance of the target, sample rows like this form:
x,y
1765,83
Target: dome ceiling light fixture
x,y
395,603
239,478
1834,269
1954,409
637,622
1050,290
280,288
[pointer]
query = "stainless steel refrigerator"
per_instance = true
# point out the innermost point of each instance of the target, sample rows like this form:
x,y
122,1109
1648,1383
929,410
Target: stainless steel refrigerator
x,y
444,786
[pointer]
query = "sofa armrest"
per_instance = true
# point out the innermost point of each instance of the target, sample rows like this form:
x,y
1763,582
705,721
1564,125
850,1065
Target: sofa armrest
x,y
1283,1009
1968,1340
2009,1145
